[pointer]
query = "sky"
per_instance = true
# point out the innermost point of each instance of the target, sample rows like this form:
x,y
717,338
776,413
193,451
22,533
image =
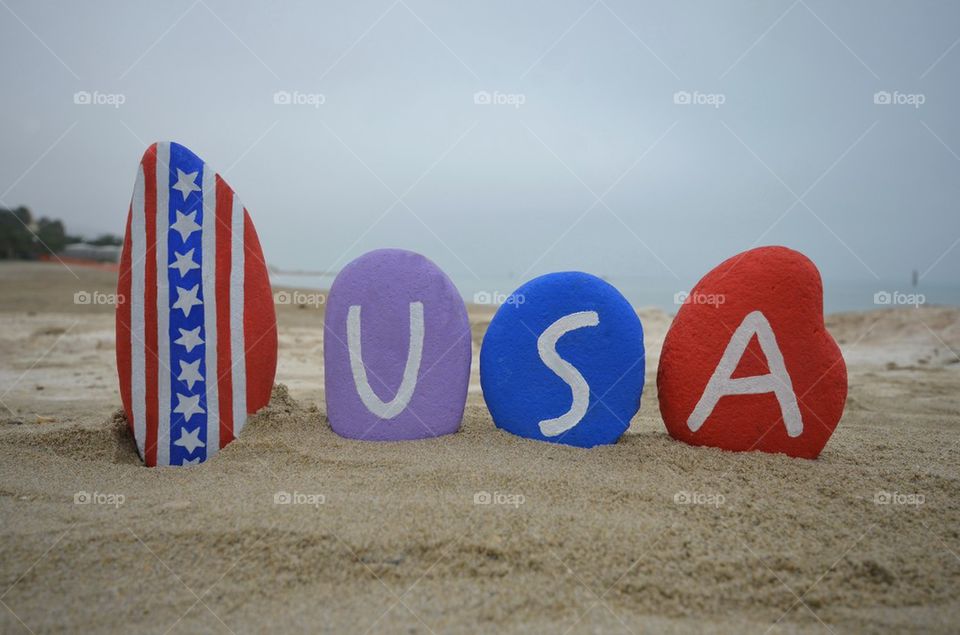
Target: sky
x,y
643,142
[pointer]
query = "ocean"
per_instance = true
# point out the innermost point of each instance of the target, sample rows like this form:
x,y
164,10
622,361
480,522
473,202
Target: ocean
x,y
667,294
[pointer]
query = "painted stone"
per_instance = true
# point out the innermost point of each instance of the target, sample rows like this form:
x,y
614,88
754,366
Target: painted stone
x,y
747,363
563,361
396,349
196,329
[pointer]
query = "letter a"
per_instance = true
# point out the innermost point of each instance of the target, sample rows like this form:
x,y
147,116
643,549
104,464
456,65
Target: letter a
x,y
547,347
776,381
392,408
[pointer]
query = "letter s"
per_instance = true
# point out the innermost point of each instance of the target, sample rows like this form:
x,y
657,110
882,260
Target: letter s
x,y
547,347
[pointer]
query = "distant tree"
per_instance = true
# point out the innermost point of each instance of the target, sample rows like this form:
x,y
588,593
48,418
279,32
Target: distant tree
x,y
107,239
50,236
16,240
21,238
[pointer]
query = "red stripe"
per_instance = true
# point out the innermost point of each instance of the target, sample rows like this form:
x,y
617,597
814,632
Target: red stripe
x,y
224,357
123,325
259,322
150,303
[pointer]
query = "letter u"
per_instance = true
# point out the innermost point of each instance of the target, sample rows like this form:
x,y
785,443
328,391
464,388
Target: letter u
x,y
392,408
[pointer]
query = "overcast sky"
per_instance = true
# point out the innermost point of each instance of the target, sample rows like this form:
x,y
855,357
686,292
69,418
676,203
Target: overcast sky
x,y
585,160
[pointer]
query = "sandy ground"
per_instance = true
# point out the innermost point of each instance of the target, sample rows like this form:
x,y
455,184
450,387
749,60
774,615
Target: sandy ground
x,y
580,540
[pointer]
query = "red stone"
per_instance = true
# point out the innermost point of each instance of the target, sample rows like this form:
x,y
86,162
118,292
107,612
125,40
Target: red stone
x,y
784,287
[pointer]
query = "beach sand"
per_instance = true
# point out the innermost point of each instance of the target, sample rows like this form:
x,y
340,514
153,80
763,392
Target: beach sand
x,y
580,541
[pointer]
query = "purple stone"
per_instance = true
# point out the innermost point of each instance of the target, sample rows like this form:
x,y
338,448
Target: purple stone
x,y
396,349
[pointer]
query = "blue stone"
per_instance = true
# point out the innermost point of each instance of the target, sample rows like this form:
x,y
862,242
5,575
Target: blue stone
x,y
563,361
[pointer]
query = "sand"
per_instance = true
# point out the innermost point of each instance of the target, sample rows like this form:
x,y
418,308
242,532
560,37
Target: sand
x,y
388,538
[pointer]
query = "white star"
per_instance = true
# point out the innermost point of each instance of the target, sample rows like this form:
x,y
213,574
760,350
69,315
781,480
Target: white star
x,y
186,183
195,461
185,262
190,441
187,299
188,406
185,224
190,373
189,339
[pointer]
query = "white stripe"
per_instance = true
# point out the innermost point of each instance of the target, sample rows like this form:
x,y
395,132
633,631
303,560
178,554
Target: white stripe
x,y
209,271
163,305
138,373
237,349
